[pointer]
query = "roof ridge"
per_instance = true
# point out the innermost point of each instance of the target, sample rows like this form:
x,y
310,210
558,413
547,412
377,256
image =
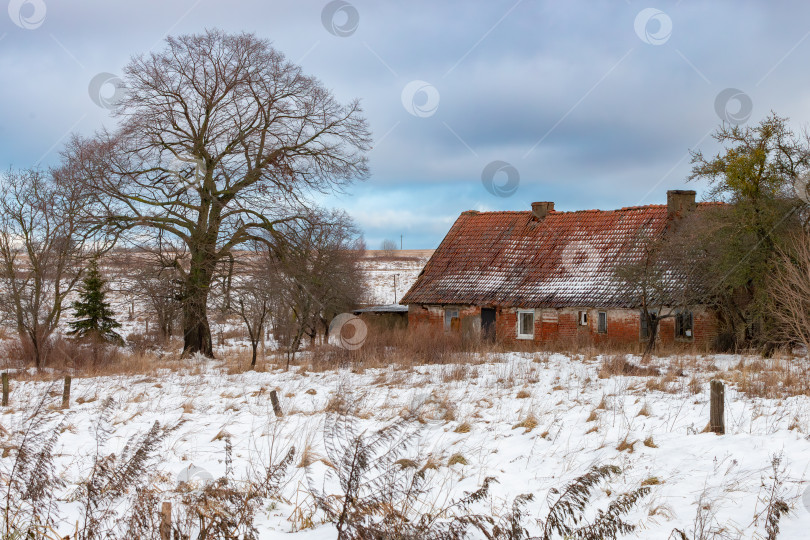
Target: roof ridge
x,y
622,209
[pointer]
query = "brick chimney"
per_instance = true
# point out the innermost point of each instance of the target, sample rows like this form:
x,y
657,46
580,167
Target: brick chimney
x,y
541,209
680,201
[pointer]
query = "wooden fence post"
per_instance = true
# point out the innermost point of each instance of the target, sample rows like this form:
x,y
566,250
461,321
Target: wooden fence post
x,y
66,393
166,521
5,389
276,405
717,422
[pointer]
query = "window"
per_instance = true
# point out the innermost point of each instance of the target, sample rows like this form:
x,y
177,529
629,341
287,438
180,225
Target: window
x,y
525,325
683,325
644,329
451,315
583,318
601,326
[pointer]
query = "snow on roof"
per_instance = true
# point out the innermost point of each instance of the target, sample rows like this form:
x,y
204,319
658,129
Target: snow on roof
x,y
511,259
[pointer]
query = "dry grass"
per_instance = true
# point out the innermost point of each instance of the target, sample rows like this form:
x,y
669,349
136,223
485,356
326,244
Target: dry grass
x,y
649,443
455,372
644,411
627,445
70,357
456,459
776,377
308,454
464,427
336,404
431,464
528,423
615,364
523,394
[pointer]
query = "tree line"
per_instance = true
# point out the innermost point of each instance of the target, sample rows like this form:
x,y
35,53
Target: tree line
x,y
221,144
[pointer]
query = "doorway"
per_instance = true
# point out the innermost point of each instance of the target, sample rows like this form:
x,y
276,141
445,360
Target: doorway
x,y
488,324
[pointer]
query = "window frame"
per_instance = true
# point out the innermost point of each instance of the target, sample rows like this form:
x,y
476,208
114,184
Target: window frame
x,y
599,317
642,322
520,314
680,333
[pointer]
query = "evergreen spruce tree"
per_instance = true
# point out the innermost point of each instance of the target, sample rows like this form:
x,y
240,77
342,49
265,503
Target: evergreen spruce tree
x,y
94,318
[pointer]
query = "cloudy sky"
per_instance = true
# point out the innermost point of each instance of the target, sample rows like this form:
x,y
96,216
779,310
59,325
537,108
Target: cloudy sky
x,y
473,104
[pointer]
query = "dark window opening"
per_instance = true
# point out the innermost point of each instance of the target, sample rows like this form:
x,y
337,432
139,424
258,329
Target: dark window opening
x,y
450,320
683,325
644,328
602,322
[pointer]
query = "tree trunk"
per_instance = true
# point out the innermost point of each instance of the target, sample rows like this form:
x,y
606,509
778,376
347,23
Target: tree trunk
x,y
196,331
652,325
255,345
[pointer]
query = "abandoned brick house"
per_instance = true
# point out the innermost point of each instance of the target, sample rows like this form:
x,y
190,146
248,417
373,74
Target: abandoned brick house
x,y
548,276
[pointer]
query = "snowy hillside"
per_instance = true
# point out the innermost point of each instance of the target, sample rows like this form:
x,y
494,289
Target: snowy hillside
x,y
382,273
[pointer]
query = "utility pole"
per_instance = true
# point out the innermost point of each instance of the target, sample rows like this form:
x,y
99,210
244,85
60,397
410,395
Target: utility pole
x,y
395,288
400,242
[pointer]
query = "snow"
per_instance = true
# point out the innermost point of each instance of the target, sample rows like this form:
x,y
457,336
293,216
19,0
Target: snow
x,y
728,472
380,273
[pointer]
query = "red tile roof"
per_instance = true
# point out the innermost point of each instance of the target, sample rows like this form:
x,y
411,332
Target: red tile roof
x,y
510,259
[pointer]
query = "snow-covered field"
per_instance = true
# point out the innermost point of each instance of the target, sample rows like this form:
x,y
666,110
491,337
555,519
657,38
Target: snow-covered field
x,y
576,420
383,273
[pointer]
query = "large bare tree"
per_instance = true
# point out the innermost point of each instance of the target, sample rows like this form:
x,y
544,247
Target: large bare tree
x,y
45,241
221,141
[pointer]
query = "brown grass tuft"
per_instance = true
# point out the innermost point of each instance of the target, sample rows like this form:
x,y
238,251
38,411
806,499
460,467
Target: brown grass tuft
x,y
644,411
456,459
651,481
528,423
626,445
613,365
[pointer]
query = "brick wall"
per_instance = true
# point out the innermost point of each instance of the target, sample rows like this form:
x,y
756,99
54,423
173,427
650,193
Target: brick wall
x,y
562,325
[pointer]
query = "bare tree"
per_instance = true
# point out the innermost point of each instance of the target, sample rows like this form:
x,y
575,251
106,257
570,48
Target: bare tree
x,y
45,241
663,274
254,299
157,285
388,247
789,290
757,169
316,275
221,140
